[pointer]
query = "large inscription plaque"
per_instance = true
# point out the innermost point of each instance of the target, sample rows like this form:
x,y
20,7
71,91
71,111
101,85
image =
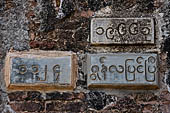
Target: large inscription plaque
x,y
41,70
122,31
126,70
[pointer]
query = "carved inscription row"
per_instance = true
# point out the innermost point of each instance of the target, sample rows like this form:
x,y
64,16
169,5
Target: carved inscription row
x,y
35,70
31,70
122,31
58,70
122,70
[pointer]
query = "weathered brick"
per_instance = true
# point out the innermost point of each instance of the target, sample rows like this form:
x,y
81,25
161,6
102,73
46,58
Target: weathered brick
x,y
65,96
165,96
59,96
62,106
29,112
34,95
166,108
79,95
66,25
93,5
28,106
17,96
82,34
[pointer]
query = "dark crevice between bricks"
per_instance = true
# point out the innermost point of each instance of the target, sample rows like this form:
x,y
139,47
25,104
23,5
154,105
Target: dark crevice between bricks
x,y
93,5
166,48
47,16
2,5
68,7
98,100
142,6
146,6
96,5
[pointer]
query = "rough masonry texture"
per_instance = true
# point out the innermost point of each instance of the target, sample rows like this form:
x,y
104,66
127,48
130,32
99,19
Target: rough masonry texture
x,y
64,25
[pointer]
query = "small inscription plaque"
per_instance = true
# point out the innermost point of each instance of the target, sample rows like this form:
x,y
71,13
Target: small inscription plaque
x,y
122,31
126,70
41,70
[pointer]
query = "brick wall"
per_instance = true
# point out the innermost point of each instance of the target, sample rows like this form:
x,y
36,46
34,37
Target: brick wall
x,y
44,25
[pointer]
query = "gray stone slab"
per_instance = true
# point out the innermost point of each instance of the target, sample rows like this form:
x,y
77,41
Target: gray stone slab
x,y
122,31
45,70
52,70
126,70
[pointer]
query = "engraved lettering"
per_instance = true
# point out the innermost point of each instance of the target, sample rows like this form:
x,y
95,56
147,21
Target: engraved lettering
x,y
93,76
150,69
133,29
112,68
122,29
56,72
95,70
99,30
139,69
145,31
129,70
139,60
151,59
43,71
102,59
22,69
110,33
35,69
104,70
123,69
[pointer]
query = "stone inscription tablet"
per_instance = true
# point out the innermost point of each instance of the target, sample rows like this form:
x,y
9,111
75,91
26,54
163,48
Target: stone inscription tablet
x,y
122,31
43,70
126,70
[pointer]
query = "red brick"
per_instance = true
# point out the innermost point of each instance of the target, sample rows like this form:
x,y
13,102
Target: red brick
x,y
17,96
28,106
34,96
62,106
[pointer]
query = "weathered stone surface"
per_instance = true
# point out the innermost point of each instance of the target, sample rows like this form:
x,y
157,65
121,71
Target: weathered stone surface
x,y
37,22
72,107
127,70
17,96
28,106
59,96
98,100
34,96
122,31
65,96
53,70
